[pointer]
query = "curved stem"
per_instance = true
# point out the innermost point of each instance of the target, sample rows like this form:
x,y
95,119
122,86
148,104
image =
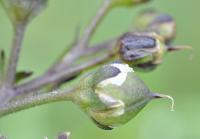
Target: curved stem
x,y
6,92
63,74
94,24
32,101
82,44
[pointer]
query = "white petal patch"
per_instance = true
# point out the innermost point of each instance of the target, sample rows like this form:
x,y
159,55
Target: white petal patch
x,y
108,100
121,77
115,105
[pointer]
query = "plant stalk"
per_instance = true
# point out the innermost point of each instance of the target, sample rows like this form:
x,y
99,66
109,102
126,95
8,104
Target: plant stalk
x,y
40,99
15,52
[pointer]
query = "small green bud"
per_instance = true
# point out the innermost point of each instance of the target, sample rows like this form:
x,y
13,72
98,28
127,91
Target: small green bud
x,y
113,95
23,11
161,23
127,2
143,50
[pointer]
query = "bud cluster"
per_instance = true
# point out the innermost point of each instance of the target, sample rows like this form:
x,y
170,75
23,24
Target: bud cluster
x,y
145,48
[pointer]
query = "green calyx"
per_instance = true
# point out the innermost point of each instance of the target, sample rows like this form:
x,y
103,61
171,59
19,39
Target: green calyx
x,y
113,98
23,11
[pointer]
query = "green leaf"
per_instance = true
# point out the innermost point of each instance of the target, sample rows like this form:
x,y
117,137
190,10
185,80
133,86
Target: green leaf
x,y
127,2
22,75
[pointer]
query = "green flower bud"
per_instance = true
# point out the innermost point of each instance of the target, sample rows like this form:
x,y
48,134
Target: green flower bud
x,y
162,24
23,11
143,50
127,2
113,95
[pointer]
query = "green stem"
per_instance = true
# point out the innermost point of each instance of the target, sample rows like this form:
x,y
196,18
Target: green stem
x,y
14,56
6,91
90,30
75,52
32,101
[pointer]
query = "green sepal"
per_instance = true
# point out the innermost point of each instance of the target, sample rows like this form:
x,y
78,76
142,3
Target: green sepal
x,y
111,105
22,75
99,75
104,127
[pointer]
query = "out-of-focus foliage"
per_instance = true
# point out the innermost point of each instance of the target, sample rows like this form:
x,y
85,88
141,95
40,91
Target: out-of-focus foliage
x,y
178,75
22,11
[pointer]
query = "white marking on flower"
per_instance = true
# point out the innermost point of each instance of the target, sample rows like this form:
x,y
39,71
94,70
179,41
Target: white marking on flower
x,y
115,104
106,99
120,110
121,77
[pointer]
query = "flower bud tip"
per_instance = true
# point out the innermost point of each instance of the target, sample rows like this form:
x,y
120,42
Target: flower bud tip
x,y
182,47
156,95
178,48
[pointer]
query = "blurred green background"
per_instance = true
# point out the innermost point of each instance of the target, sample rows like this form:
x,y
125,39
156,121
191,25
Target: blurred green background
x,y
178,76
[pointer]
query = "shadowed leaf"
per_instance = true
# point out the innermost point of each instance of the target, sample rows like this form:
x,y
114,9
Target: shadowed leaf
x,y
23,75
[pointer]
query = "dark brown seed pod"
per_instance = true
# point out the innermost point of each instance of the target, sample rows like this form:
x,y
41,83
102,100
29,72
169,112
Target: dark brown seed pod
x,y
143,50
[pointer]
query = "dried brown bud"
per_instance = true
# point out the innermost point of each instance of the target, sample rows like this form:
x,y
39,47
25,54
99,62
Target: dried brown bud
x,y
141,50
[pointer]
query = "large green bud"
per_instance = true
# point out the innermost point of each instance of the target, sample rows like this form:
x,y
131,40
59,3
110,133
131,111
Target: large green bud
x,y
23,11
142,50
113,95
